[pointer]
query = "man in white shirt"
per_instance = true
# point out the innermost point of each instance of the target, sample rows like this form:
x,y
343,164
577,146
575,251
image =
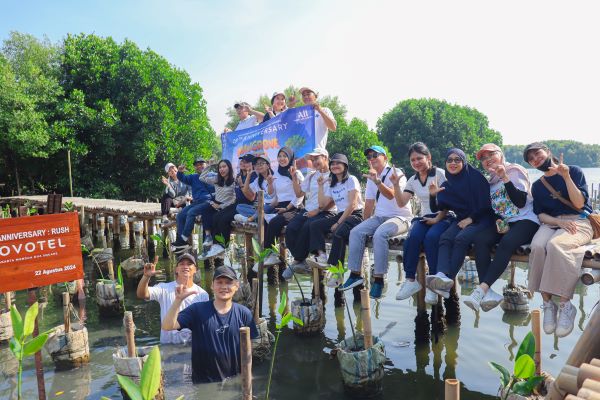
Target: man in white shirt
x,y
164,293
383,219
248,116
324,119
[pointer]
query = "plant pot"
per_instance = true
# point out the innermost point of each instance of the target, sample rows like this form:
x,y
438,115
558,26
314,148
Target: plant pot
x,y
261,346
362,370
311,314
69,350
516,298
244,296
109,297
6,330
133,267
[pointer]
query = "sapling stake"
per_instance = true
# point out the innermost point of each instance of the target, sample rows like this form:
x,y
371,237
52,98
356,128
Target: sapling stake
x,y
350,318
275,250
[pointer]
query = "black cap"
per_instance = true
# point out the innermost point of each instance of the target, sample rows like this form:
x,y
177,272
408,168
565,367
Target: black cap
x,y
241,104
186,256
199,160
226,271
339,158
247,157
533,146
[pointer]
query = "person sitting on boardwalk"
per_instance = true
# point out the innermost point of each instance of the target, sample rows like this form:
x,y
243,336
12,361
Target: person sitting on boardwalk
x,y
298,229
215,327
344,190
287,202
510,192
201,193
262,167
556,252
175,195
466,192
224,197
426,229
164,293
383,219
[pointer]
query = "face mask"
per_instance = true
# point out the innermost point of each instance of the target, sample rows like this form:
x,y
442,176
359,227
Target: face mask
x,y
545,165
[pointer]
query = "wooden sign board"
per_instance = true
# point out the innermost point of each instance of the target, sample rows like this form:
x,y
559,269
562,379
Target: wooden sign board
x,y
39,251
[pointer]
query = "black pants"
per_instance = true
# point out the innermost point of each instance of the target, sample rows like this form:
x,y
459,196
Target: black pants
x,y
298,231
319,228
520,233
275,226
166,202
222,222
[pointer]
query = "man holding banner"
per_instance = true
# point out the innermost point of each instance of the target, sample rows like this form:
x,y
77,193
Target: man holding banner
x,y
324,119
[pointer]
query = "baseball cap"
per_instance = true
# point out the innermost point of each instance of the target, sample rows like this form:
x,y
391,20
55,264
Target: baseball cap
x,y
533,146
339,158
305,88
186,256
199,160
488,147
241,104
377,149
168,166
275,95
318,151
261,157
226,271
247,157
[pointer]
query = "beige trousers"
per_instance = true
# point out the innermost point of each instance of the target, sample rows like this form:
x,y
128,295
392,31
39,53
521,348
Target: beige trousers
x,y
556,257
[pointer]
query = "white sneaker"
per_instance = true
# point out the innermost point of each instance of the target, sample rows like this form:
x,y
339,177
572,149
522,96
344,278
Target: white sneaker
x,y
439,282
491,300
240,218
444,293
566,319
474,300
215,250
272,259
550,309
319,261
407,289
431,297
300,267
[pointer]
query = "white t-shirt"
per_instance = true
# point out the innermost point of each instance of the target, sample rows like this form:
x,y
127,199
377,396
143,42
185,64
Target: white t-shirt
x,y
339,194
284,189
164,293
249,122
310,187
321,130
502,204
255,188
421,190
387,207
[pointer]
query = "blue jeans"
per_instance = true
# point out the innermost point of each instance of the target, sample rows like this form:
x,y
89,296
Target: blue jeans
x,y
454,245
187,218
249,210
426,236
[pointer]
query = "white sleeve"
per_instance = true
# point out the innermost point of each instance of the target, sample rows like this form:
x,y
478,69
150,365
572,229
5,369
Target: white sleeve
x,y
355,185
409,186
254,186
519,180
329,113
155,292
305,184
441,176
299,176
370,191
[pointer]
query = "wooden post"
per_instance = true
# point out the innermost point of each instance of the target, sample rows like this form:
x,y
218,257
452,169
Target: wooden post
x,y
588,394
535,327
70,174
256,299
39,368
452,389
249,251
316,283
8,300
82,225
111,269
421,306
513,267
116,229
588,342
129,333
66,315
366,318
94,224
246,358
261,241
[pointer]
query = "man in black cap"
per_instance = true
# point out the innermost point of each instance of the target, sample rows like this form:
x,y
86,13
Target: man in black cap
x,y
248,117
215,327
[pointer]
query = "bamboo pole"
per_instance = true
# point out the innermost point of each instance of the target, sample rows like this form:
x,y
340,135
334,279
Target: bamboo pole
x,y
591,384
572,397
421,306
588,342
70,174
261,241
588,394
8,300
535,327
587,371
316,283
66,316
256,299
366,318
452,389
130,333
246,358
513,268
111,269
39,368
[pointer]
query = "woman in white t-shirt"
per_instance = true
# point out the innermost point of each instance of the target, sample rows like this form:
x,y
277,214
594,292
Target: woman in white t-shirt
x,y
510,192
262,167
426,229
344,190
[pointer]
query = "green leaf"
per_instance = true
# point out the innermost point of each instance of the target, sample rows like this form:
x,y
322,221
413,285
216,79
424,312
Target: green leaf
x,y
150,380
220,239
285,319
255,246
282,304
84,249
504,374
524,367
156,237
298,321
17,323
525,388
527,346
130,387
34,345
97,250
30,317
120,275
15,347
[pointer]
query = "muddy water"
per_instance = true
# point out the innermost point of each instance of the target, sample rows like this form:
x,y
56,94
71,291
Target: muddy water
x,y
304,368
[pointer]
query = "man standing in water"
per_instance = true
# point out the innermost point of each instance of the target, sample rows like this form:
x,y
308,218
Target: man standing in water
x,y
164,293
215,327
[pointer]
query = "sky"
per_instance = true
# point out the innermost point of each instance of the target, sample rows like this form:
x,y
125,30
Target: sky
x,y
531,66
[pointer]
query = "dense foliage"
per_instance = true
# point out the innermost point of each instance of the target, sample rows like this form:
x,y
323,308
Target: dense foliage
x,y
574,153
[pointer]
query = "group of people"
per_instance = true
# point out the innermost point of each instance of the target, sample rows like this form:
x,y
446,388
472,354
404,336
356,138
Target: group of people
x,y
458,207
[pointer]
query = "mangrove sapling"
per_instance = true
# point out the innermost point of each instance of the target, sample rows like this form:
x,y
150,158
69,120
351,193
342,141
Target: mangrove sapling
x,y
523,379
19,344
120,284
286,317
68,206
337,272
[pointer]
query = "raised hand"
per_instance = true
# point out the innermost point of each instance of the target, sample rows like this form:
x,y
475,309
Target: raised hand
x,y
372,175
562,169
292,101
181,168
150,268
434,188
317,106
394,177
268,108
270,178
293,170
181,292
499,171
164,180
226,129
321,180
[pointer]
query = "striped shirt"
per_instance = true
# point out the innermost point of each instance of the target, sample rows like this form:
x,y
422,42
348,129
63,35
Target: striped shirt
x,y
224,195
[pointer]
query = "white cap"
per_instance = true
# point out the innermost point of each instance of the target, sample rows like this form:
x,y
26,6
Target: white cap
x,y
168,166
318,151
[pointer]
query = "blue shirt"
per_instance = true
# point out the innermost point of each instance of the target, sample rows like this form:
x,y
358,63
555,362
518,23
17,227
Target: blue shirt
x,y
239,195
201,191
544,202
215,339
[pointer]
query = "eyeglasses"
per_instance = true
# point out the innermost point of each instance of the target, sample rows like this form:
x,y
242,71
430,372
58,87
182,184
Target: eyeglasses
x,y
260,163
488,156
372,155
454,160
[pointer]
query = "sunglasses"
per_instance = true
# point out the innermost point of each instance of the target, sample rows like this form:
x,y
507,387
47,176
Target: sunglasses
x,y
372,155
454,160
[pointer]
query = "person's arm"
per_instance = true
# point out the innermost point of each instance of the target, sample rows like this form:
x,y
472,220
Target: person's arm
x,y
330,122
270,184
323,199
187,179
259,116
568,225
246,190
206,176
369,207
142,291
170,322
352,200
296,183
575,193
516,196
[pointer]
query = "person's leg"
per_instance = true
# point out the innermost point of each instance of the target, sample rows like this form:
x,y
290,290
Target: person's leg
x,y
484,243
246,210
318,229
181,220
222,222
274,228
381,248
190,219
340,239
431,243
292,233
303,239
445,245
537,258
462,242
166,203
412,248
358,240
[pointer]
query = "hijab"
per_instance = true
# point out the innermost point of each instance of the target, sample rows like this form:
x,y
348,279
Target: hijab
x,y
509,167
467,189
285,171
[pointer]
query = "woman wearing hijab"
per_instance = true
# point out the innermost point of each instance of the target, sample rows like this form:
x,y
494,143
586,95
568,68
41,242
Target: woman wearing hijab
x,y
466,192
286,206
510,193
